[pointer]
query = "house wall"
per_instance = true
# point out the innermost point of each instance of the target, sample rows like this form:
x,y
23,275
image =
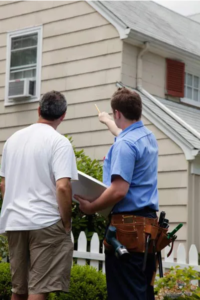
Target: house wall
x,y
193,209
154,70
81,57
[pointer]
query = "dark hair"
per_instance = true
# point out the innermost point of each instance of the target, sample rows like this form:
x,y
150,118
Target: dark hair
x,y
52,106
128,103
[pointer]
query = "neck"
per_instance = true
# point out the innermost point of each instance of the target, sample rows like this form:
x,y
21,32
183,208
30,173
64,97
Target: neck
x,y
50,123
126,123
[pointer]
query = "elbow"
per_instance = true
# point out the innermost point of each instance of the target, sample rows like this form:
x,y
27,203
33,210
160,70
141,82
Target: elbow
x,y
120,194
63,188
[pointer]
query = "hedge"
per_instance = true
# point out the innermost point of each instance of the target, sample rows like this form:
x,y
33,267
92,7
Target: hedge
x,y
85,283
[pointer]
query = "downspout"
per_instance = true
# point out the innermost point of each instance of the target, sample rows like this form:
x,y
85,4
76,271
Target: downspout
x,y
139,65
154,100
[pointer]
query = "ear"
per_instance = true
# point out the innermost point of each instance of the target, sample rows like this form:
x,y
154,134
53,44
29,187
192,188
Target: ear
x,y
117,114
39,111
62,117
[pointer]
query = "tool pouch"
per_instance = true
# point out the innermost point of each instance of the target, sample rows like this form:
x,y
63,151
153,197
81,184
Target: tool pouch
x,y
133,235
128,237
162,241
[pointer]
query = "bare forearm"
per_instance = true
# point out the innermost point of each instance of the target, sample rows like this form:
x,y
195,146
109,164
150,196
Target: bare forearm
x,y
64,198
113,127
109,198
106,119
2,187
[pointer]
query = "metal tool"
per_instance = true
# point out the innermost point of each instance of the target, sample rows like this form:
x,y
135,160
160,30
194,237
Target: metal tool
x,y
148,238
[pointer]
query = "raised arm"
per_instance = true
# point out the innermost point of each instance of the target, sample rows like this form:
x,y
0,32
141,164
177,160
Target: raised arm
x,y
106,119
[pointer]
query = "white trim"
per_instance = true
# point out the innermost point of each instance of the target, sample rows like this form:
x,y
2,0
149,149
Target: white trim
x,y
10,35
133,35
190,102
18,102
111,18
170,113
195,166
173,135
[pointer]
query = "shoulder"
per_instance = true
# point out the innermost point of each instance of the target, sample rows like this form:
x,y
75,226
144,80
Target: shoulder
x,y
124,145
60,141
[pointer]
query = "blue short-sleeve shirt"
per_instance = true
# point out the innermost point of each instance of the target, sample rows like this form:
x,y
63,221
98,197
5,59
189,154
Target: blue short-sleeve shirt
x,y
134,157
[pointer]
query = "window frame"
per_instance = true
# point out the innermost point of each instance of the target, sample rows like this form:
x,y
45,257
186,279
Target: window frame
x,y
188,100
18,33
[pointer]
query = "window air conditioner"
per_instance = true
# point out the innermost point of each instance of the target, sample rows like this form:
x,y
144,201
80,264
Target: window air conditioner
x,y
21,88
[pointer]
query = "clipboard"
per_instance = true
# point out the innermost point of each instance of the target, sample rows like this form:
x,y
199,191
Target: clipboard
x,y
89,188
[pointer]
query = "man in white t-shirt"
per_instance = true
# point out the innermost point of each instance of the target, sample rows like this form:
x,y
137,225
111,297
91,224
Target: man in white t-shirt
x,y
37,166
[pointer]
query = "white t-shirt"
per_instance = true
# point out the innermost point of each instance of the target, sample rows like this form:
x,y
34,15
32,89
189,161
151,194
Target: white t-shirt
x,y
33,160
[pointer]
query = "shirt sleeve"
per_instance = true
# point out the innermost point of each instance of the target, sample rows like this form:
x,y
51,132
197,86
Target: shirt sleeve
x,y
64,162
123,161
3,163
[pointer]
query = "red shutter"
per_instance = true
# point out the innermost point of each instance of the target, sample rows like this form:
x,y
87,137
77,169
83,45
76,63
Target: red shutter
x,y
175,78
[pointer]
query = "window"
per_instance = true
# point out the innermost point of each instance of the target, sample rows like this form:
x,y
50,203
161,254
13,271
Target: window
x,y
192,89
23,74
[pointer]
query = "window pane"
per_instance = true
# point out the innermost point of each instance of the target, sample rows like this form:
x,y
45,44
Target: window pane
x,y
189,93
23,74
24,41
185,92
195,95
24,57
189,79
196,82
185,78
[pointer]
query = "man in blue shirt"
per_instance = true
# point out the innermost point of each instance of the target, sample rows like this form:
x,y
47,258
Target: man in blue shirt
x,y
130,172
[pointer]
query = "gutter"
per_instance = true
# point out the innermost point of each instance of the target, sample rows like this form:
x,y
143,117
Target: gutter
x,y
139,65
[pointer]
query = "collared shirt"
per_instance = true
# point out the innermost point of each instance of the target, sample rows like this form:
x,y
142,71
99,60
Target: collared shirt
x,y
134,157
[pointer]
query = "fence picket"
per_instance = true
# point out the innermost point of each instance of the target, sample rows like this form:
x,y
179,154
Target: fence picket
x,y
82,247
72,237
95,257
181,254
94,248
193,256
103,267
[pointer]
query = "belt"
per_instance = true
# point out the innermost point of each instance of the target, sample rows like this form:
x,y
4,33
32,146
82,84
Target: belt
x,y
131,219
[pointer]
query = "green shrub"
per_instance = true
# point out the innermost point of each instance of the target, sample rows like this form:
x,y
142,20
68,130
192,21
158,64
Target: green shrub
x,y
177,282
5,281
3,248
85,283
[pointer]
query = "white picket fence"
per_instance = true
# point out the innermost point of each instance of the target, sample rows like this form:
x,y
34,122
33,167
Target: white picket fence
x,y
96,258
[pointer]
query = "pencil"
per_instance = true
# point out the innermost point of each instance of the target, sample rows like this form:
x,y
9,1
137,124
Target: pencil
x,y
97,109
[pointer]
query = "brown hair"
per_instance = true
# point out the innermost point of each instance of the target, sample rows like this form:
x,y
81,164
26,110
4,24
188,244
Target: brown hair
x,y
128,103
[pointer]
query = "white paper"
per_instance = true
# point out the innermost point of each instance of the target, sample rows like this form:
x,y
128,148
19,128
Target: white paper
x,y
89,188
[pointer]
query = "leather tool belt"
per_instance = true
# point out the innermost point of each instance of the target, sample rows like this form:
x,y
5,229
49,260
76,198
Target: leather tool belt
x,y
132,232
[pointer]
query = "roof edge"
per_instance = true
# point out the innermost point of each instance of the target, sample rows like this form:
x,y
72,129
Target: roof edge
x,y
189,151
142,37
171,114
121,27
127,33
